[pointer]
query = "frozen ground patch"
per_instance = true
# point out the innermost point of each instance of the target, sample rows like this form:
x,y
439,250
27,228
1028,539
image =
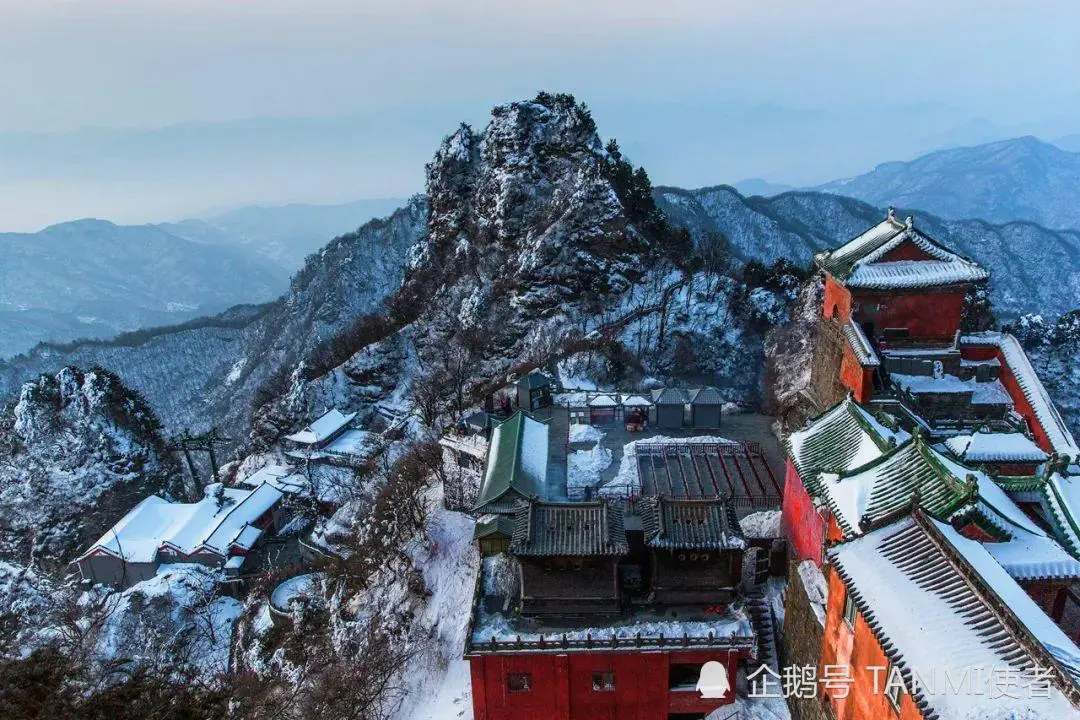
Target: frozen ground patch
x,y
438,677
584,433
583,468
761,524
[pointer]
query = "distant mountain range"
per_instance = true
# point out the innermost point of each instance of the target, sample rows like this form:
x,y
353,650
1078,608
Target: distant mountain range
x,y
1019,179
757,186
283,234
94,279
91,278
1069,142
1034,269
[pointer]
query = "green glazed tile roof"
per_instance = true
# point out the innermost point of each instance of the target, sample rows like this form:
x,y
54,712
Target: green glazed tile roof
x,y
842,439
516,466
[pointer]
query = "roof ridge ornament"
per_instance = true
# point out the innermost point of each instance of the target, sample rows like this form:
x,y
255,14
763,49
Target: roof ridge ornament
x,y
909,222
892,213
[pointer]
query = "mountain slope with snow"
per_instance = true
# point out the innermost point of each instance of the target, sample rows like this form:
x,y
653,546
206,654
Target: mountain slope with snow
x,y
1033,269
283,234
77,449
208,372
1019,179
91,278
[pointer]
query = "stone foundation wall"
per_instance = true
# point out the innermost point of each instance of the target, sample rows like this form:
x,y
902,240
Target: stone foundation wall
x,y
800,645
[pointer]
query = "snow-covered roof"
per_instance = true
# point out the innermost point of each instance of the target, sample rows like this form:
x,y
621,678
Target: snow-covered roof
x,y
860,262
636,401
138,534
216,524
603,401
669,396
990,392
323,428
860,345
842,439
980,557
987,447
949,491
1035,393
909,582
282,477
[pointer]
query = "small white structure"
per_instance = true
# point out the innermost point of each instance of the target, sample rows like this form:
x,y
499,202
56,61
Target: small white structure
x,y
323,431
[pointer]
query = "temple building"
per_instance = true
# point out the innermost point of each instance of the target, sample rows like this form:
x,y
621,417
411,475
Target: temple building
x,y
937,490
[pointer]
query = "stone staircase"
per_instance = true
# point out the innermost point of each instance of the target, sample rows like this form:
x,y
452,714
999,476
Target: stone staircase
x,y
757,605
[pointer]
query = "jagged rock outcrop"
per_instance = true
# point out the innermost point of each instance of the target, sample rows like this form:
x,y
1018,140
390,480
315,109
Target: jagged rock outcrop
x,y
77,450
525,224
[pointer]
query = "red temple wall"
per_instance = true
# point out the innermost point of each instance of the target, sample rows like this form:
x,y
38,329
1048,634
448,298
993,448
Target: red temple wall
x,y
855,377
562,686
837,298
927,315
1008,380
906,251
858,649
803,525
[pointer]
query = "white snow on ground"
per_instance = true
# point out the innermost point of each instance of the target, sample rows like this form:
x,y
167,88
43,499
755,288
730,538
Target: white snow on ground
x,y
817,589
293,589
584,433
583,467
438,676
176,610
761,524
573,382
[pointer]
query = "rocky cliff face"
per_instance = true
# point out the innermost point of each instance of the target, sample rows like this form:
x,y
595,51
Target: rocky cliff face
x,y
525,226
77,450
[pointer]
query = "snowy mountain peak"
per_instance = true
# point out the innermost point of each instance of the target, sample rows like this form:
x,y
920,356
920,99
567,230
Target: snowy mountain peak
x,y
527,205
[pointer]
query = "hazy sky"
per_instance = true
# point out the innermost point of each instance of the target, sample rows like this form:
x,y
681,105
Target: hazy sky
x,y
653,72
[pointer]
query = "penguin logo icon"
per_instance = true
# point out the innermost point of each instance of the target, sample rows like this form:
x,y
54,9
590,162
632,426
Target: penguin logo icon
x,y
713,680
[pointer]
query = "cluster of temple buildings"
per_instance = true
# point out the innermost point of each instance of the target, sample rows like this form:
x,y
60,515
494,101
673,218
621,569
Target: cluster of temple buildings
x,y
606,607
937,492
930,513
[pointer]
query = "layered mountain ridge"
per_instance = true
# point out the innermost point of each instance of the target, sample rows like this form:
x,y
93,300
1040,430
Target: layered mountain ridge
x,y
1017,179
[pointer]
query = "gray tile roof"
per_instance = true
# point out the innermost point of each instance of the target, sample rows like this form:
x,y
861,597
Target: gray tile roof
x,y
568,529
860,345
706,396
691,525
534,380
669,396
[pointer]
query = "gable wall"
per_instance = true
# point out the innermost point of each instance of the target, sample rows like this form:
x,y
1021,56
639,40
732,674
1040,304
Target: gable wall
x,y
802,524
858,649
927,314
906,251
